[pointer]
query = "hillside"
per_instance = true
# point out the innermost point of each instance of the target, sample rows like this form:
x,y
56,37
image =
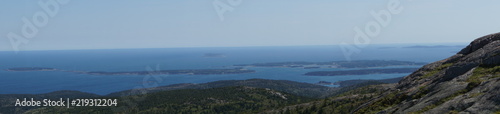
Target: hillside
x,y
239,99
296,88
7,101
340,104
469,81
221,95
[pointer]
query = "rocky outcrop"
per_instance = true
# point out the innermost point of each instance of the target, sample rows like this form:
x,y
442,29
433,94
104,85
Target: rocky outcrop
x,y
479,43
469,81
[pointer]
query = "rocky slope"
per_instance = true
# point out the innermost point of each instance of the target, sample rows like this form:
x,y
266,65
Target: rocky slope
x,y
467,82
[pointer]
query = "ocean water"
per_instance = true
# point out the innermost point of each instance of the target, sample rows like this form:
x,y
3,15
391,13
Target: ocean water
x,y
35,82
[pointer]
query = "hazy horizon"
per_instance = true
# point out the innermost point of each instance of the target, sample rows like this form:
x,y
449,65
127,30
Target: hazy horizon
x,y
385,44
93,24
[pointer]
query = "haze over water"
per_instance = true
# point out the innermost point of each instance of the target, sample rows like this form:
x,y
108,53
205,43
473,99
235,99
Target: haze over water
x,y
34,82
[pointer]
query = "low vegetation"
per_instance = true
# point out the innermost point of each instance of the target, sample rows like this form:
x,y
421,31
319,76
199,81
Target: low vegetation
x,y
340,104
436,70
473,81
385,102
238,99
483,71
422,91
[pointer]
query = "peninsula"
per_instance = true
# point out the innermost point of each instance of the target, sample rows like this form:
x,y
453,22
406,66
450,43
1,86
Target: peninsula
x,y
335,64
361,72
31,69
176,72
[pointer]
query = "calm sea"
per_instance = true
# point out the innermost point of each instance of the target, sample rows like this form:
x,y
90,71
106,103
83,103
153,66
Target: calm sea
x,y
186,58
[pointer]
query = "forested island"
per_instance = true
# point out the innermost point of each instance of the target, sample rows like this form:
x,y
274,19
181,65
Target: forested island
x,y
31,69
361,72
335,64
174,72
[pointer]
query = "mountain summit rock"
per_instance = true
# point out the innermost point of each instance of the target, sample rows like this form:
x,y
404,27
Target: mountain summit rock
x,y
468,81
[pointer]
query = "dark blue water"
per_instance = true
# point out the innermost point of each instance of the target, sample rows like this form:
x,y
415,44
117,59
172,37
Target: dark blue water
x,y
184,58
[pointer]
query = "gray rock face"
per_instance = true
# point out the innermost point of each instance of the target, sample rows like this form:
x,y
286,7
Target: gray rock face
x,y
450,85
480,43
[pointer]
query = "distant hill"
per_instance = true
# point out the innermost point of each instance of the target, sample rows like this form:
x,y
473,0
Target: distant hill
x,y
239,99
435,46
253,95
296,88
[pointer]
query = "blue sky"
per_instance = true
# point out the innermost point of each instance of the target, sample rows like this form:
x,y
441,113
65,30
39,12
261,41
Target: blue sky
x,y
113,24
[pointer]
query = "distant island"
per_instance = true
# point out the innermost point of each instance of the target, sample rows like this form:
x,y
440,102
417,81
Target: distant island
x,y
239,69
347,83
435,46
174,72
425,46
188,72
361,72
214,55
335,64
387,47
31,69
